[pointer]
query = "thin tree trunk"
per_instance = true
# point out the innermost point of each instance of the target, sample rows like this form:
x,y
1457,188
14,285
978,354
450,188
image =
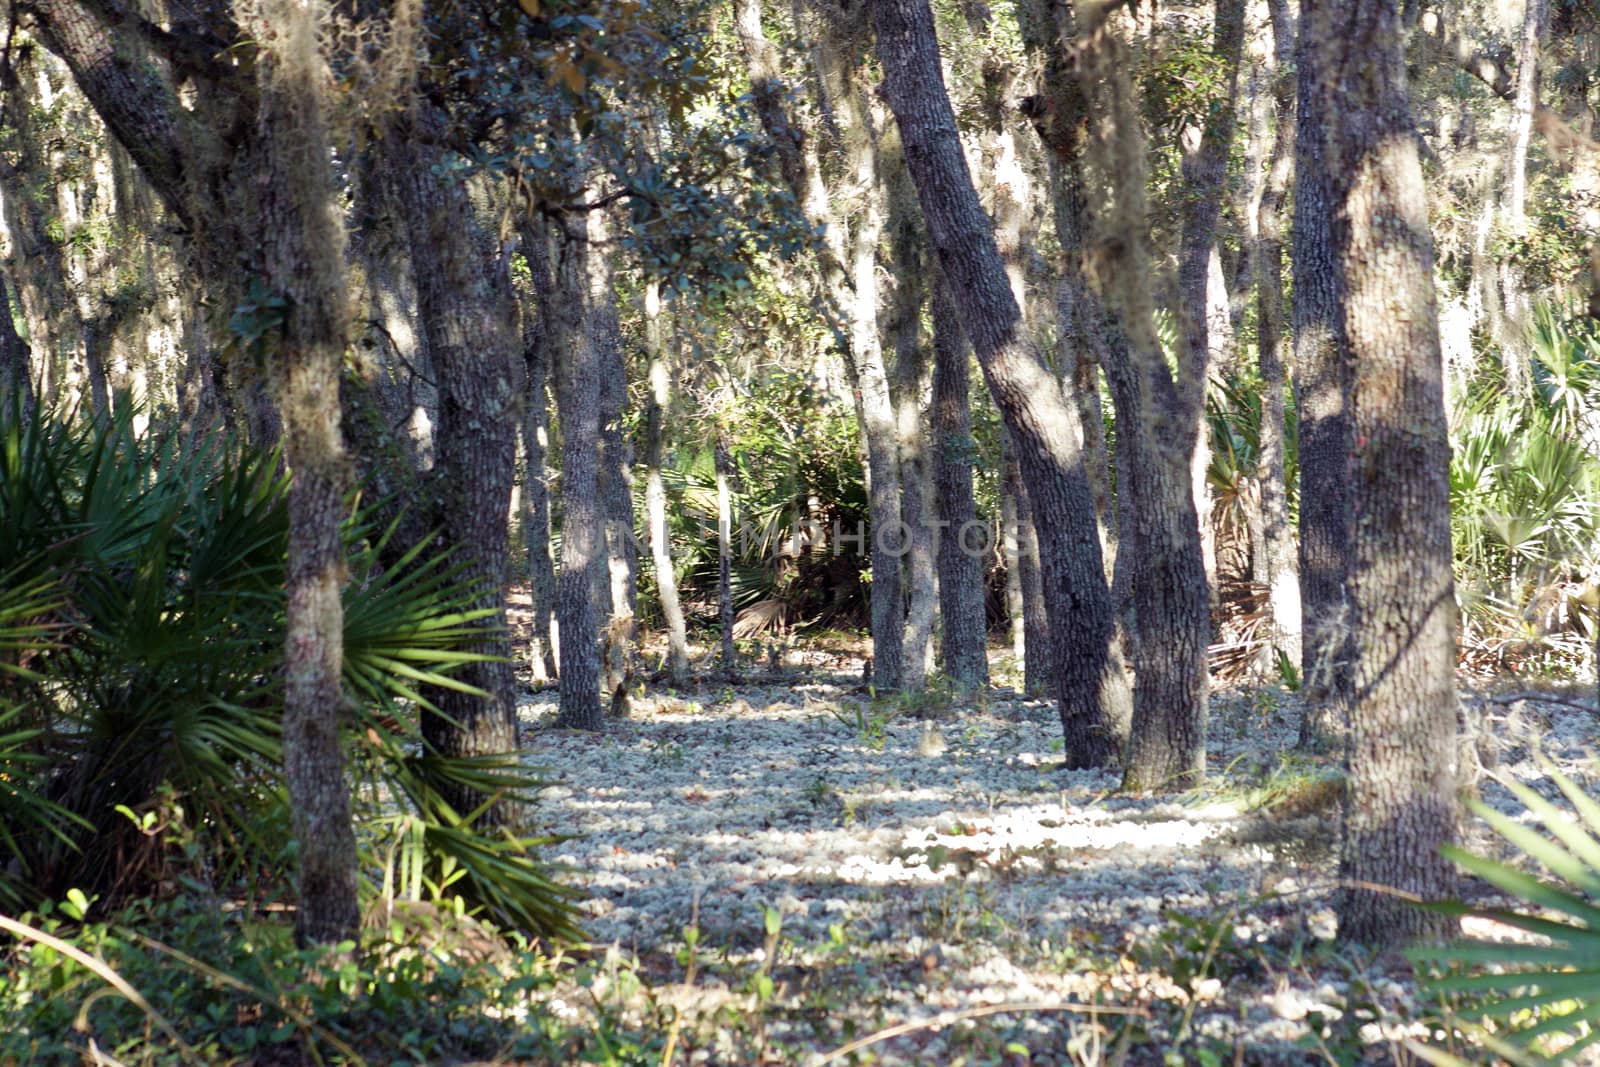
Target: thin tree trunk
x,y
1090,683
466,307
582,530
1277,535
1515,352
1036,665
724,468
1321,359
16,370
616,453
304,255
1011,552
877,427
852,296
909,388
542,651
658,404
1401,804
963,634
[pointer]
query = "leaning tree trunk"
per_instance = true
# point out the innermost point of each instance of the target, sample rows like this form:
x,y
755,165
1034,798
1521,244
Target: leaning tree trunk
x,y
1044,426
582,533
1321,358
1401,804
467,312
658,404
304,259
963,634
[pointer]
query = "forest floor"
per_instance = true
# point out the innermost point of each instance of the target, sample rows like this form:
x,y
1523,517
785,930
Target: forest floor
x,y
792,866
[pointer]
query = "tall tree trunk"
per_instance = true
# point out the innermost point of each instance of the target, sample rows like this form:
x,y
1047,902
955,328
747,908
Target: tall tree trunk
x,y
304,257
723,461
658,404
1277,535
1321,359
542,651
582,529
908,389
1401,804
963,634
466,306
1011,552
1158,415
1515,352
1090,683
878,429
616,453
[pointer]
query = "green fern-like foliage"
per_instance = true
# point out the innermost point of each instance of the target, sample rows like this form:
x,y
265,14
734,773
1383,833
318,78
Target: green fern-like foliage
x,y
1539,1001
140,678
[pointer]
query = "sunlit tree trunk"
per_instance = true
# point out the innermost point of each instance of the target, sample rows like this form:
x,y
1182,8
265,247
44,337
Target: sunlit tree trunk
x,y
910,387
1278,568
658,405
1044,427
723,460
1516,302
577,371
304,260
1321,358
1401,804
616,453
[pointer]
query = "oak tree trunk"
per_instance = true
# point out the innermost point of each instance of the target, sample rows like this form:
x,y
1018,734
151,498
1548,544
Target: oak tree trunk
x,y
466,306
963,634
583,554
1401,805
304,259
1321,359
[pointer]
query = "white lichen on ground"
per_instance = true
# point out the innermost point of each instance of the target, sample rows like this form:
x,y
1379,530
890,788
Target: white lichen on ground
x,y
928,866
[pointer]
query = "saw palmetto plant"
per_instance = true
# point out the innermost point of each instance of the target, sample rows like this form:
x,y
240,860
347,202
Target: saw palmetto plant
x,y
1532,997
140,653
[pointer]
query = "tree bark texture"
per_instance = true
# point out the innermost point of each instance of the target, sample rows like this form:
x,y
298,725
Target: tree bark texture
x,y
16,362
466,306
1044,426
304,258
616,452
537,347
577,370
963,634
1321,358
1158,416
1278,568
1401,805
